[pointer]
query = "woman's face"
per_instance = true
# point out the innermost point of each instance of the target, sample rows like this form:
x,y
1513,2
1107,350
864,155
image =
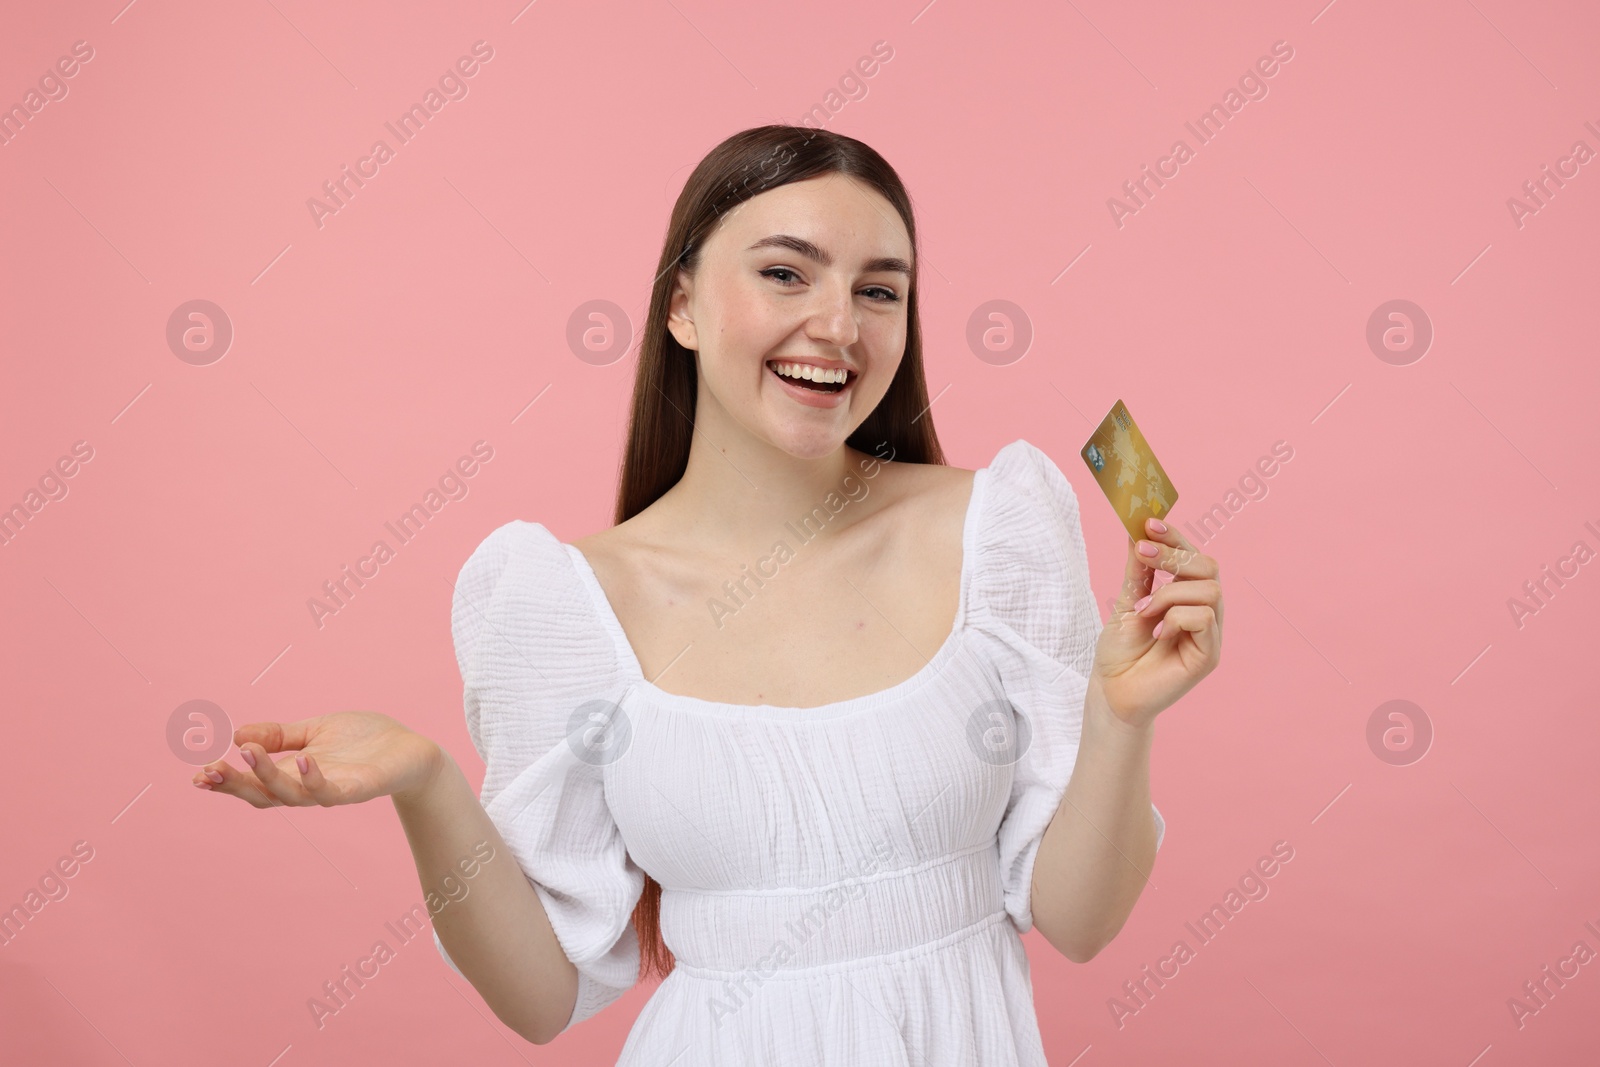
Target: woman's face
x,y
815,273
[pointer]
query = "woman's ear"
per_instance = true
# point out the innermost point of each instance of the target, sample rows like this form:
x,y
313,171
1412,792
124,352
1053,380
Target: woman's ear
x,y
678,320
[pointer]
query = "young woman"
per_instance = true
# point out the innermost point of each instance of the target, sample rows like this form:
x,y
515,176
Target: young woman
x,y
836,721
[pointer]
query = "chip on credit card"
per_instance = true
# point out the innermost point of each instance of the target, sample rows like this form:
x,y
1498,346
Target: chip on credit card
x,y
1128,472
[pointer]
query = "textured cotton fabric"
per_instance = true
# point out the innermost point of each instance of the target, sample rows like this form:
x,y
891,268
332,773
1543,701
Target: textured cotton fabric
x,y
842,884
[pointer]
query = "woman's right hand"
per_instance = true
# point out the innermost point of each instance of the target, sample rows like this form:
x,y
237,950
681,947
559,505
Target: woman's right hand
x,y
344,758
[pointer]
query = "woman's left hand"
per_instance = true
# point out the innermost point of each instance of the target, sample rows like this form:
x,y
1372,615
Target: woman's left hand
x,y
1154,648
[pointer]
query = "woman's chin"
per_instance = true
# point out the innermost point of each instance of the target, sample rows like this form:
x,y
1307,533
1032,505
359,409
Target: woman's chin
x,y
809,442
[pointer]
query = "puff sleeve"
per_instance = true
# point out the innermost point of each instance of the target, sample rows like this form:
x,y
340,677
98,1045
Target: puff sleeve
x,y
531,663
1031,593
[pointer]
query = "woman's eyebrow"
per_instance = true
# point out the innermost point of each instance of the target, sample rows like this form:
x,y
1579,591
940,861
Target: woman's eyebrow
x,y
812,252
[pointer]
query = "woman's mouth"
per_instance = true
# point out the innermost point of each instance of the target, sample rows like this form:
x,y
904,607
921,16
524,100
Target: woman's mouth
x,y
806,379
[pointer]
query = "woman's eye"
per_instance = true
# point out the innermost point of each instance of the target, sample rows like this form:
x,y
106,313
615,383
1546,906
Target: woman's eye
x,y
888,296
771,272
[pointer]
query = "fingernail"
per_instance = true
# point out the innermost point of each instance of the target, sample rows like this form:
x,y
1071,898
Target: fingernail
x,y
1139,605
301,762
202,785
214,776
248,757
1158,526
1148,548
1157,631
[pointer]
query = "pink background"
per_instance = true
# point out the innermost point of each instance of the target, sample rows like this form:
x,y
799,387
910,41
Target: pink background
x,y
369,354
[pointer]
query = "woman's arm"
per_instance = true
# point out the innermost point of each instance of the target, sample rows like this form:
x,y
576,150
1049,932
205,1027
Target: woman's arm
x,y
498,935
1096,854
1101,843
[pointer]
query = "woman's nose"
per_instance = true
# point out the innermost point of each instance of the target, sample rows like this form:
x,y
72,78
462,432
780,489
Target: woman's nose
x,y
833,320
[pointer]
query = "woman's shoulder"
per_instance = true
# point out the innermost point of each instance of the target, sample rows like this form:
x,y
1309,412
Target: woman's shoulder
x,y
1022,494
625,557
928,491
1032,572
517,546
1027,502
1023,465
1019,464
1010,507
520,586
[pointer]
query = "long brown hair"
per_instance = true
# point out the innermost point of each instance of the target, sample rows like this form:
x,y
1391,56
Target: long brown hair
x,y
665,386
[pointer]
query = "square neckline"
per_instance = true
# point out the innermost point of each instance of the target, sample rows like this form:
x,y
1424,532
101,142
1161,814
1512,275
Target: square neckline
x,y
634,670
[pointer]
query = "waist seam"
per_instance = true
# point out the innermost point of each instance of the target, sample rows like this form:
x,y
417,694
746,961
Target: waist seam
x,y
817,890
880,959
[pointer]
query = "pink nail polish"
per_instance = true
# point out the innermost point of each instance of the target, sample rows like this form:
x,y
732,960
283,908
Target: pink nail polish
x,y
1148,548
215,776
302,763
1158,526
248,757
1157,631
1139,606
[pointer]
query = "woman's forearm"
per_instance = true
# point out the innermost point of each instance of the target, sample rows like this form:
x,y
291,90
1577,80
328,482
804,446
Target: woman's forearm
x,y
498,934
1097,853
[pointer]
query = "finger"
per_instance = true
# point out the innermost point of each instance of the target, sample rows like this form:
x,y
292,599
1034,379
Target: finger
x,y
1195,567
319,788
1198,620
274,736
235,782
1137,577
1170,551
278,783
1166,533
1202,591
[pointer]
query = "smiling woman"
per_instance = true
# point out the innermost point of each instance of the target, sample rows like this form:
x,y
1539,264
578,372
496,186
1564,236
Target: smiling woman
x,y
843,813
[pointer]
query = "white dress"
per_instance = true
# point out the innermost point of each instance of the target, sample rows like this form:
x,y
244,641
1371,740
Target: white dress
x,y
842,884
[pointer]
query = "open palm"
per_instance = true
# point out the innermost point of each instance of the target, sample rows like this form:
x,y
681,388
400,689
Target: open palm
x,y
344,758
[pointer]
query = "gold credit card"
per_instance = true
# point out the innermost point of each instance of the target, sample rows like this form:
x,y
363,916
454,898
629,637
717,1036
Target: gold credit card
x,y
1128,472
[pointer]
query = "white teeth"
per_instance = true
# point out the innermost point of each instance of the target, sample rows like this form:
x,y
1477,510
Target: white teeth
x,y
813,374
